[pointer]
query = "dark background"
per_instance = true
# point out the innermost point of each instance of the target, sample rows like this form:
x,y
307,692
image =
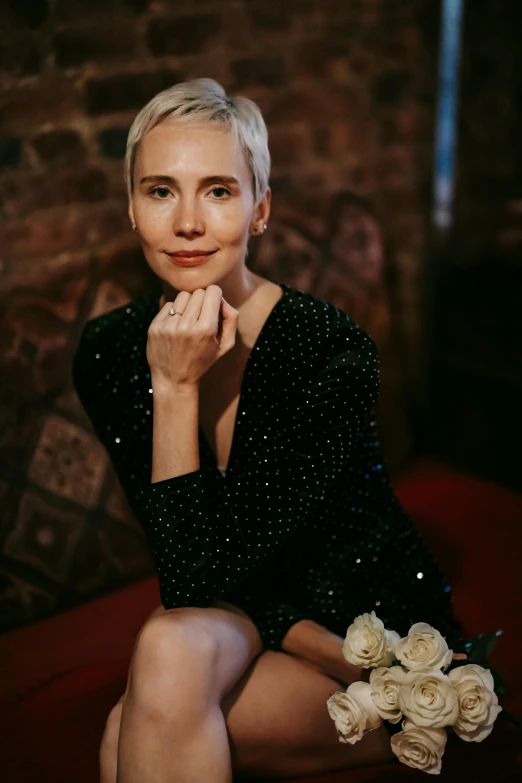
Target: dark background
x,y
348,90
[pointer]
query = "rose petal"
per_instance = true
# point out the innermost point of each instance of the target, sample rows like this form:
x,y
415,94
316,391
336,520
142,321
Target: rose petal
x,y
427,697
420,748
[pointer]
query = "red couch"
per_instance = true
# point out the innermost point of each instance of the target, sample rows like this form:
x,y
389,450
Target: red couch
x,y
60,677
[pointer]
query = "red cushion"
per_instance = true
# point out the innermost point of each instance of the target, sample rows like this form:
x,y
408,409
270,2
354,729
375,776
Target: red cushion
x,y
100,630
475,529
54,735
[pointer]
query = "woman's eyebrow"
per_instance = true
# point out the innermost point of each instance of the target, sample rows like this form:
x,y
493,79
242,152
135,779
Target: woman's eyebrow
x,y
205,181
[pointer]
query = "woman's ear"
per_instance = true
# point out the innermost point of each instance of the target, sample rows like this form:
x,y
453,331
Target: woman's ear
x,y
131,216
262,211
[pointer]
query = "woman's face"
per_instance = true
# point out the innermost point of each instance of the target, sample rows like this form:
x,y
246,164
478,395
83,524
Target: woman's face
x,y
193,192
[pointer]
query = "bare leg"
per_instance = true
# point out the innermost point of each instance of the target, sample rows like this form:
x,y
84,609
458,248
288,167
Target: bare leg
x,y
109,745
184,663
111,736
274,710
201,749
172,750
279,725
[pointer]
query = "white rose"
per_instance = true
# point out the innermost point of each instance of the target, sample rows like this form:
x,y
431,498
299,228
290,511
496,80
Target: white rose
x,y
424,647
478,703
368,643
420,748
428,698
353,712
385,684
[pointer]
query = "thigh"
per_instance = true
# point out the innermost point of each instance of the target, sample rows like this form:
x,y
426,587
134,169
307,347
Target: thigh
x,y
274,704
278,722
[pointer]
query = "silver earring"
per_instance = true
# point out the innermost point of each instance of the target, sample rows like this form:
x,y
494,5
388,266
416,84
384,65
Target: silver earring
x,y
134,227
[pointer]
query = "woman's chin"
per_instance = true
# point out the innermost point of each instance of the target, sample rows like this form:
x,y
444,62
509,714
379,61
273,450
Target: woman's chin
x,y
191,278
171,290
190,283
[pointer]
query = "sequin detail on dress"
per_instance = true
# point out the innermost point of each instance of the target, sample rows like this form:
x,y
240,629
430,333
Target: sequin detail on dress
x,y
304,522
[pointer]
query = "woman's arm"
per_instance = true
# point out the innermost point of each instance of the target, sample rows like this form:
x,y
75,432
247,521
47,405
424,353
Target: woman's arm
x,y
179,352
316,645
323,649
175,447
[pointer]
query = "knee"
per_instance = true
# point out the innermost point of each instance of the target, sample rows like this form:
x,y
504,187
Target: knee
x,y
173,661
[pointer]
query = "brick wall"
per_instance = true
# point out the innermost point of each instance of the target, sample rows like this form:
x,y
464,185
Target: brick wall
x,y
346,87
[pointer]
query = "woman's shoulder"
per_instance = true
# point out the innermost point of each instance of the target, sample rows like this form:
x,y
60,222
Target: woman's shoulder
x,y
321,322
335,362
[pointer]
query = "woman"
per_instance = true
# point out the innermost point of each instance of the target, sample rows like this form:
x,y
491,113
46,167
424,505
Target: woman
x,y
238,414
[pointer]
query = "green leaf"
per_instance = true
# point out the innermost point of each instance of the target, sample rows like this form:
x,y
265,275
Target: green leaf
x,y
473,643
483,645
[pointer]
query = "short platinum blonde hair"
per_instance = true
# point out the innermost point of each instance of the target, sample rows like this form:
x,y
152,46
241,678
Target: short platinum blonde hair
x,y
199,101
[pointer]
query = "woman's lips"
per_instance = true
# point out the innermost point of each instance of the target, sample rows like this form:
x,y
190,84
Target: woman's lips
x,y
190,260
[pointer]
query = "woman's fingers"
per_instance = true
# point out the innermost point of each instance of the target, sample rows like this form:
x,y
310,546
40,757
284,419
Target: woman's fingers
x,y
208,311
214,310
192,311
209,315
179,304
229,325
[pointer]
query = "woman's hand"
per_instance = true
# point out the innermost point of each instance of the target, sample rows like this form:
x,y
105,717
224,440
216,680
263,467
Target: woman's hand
x,y
322,649
181,348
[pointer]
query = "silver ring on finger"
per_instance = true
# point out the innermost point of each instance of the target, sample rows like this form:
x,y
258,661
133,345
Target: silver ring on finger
x,y
174,312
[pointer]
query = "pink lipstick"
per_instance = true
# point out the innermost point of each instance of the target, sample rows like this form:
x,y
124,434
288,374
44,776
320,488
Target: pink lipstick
x,y
190,257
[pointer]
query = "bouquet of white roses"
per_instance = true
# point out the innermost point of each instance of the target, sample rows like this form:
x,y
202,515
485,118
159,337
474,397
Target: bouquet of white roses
x,y
416,679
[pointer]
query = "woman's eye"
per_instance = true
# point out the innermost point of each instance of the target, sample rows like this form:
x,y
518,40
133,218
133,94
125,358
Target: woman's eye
x,y
220,192
160,192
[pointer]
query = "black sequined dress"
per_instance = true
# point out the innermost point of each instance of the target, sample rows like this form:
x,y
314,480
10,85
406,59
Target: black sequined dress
x,y
304,524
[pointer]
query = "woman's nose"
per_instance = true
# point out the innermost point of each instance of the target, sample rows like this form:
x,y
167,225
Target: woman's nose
x,y
187,219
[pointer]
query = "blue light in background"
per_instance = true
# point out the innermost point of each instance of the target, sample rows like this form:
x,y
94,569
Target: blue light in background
x,y
451,20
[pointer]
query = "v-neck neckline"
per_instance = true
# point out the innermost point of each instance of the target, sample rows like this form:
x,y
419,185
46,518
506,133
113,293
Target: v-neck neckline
x,y
241,403
248,365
